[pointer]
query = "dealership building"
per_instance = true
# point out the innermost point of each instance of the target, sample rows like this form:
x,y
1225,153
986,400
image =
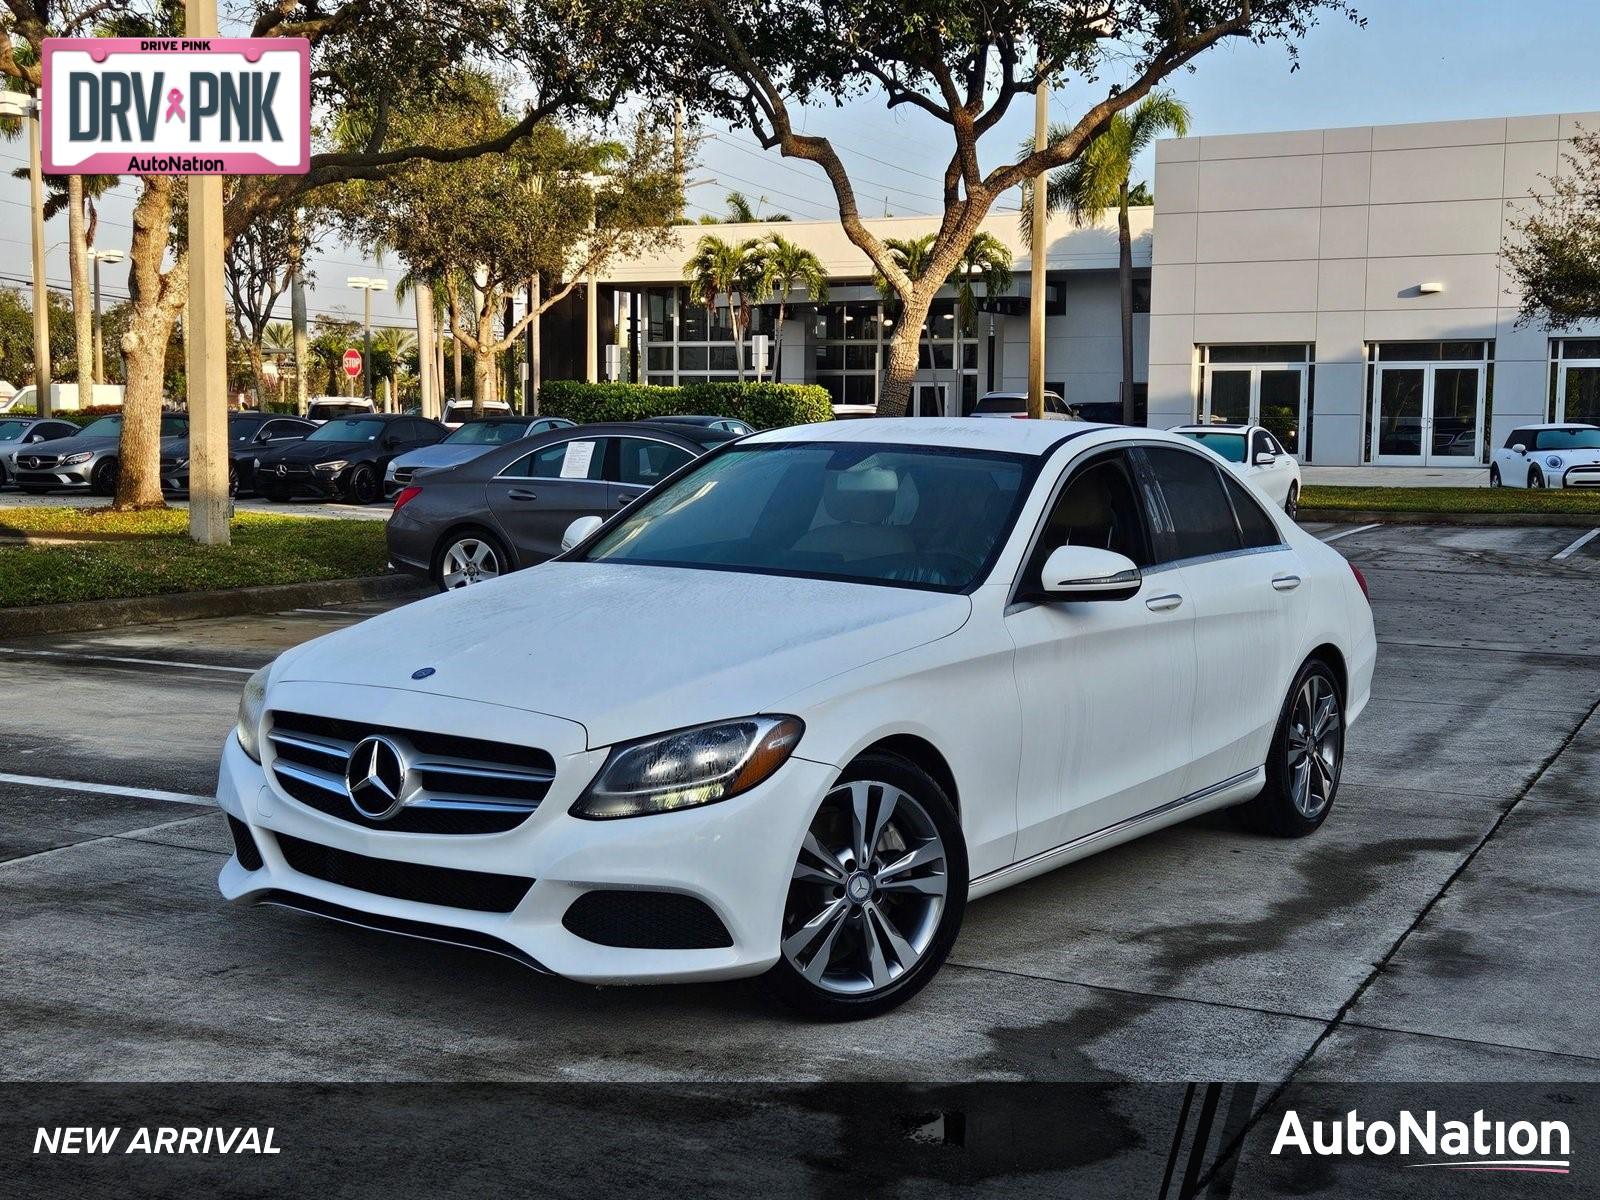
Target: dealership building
x,y
1343,287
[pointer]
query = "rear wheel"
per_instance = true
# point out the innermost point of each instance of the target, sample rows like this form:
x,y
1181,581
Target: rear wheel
x,y
103,479
469,557
876,898
1306,759
1494,476
233,481
1291,502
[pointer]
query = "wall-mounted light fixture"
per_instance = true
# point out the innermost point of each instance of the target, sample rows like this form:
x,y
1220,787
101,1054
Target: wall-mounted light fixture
x,y
1432,288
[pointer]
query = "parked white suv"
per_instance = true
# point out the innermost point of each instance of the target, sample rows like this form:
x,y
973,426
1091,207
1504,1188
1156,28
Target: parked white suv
x,y
788,711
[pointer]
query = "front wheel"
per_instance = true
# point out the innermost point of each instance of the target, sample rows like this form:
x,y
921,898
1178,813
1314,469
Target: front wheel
x,y
1291,502
1306,759
363,486
103,479
1535,478
877,895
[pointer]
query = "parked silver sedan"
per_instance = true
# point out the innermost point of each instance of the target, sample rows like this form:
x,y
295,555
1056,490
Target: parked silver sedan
x,y
85,462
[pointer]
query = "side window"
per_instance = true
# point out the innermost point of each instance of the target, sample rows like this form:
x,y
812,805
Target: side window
x,y
581,458
1202,519
1099,507
1254,524
1519,437
645,463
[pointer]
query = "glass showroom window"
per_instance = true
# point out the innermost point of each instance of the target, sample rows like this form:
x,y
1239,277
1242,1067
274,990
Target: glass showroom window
x,y
1575,380
847,349
686,344
1261,384
1429,403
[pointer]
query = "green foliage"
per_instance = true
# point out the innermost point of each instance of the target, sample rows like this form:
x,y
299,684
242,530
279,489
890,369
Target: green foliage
x,y
763,405
1554,245
265,550
76,416
1449,500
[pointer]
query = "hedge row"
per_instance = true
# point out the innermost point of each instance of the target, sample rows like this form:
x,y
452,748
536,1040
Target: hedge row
x,y
763,405
78,416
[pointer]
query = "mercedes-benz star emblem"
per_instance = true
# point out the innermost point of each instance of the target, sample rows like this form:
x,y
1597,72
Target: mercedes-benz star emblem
x,y
375,778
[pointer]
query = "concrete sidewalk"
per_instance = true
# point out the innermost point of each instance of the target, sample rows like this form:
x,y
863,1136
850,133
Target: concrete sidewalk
x,y
1405,477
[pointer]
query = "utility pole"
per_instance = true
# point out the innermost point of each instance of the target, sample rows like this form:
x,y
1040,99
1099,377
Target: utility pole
x,y
41,293
297,317
1038,276
206,339
422,293
533,335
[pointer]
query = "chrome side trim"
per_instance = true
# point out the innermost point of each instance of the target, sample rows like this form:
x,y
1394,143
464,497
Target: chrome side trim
x,y
1119,827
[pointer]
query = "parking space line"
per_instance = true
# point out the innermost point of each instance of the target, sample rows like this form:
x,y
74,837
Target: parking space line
x,y
1577,545
114,658
106,789
328,612
1347,532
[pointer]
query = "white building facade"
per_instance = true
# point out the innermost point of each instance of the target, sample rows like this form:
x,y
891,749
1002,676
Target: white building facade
x,y
1346,287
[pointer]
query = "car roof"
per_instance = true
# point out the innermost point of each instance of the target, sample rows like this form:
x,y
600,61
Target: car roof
x,y
1559,425
1014,437
1229,428
496,418
690,419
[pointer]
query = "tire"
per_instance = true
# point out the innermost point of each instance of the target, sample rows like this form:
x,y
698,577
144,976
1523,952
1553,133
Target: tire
x,y
1291,502
103,479
233,482
4,478
1494,476
1302,782
881,946
469,556
1535,478
363,486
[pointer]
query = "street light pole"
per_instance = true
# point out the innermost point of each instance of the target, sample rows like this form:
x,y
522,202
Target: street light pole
x,y
98,257
41,293
366,285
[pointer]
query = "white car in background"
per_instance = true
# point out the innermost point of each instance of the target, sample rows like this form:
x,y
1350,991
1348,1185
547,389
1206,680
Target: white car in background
x,y
1255,456
787,711
1548,456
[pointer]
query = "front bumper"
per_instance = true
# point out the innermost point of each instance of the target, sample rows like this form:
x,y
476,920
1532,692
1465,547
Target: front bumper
x,y
735,857
1586,475
55,477
300,482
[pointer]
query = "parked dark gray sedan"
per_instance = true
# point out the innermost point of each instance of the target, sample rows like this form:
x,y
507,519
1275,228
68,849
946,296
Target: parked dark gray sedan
x,y
508,508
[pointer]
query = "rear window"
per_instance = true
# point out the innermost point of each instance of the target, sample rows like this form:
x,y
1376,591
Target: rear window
x,y
1229,445
1002,404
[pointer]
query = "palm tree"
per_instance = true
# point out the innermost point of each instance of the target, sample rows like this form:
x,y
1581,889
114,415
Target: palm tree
x,y
1097,180
732,269
278,337
740,212
393,343
786,267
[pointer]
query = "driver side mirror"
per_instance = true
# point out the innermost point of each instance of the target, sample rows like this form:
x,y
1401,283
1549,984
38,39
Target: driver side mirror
x,y
1074,573
578,531
1266,458
1519,448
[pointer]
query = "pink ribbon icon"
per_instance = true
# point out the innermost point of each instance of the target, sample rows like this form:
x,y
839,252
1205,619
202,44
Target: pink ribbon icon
x,y
175,105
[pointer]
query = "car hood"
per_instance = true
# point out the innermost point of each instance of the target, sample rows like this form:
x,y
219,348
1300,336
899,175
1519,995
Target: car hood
x,y
315,452
628,650
440,455
69,445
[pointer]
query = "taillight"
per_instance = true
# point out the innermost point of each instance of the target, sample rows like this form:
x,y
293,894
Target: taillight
x,y
406,496
1019,416
1362,580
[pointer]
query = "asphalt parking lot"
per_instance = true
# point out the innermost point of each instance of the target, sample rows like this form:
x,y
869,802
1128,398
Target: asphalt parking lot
x,y
1441,926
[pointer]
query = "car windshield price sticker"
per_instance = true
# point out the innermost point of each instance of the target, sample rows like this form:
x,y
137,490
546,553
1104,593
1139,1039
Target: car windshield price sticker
x,y
575,464
177,106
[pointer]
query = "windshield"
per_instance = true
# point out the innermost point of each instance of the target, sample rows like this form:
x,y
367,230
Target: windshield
x,y
932,517
488,433
348,429
1567,439
104,427
10,431
1229,445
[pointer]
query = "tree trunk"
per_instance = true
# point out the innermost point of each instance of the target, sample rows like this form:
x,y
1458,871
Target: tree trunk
x,y
483,372
895,398
777,340
256,360
1125,278
82,297
154,302
455,349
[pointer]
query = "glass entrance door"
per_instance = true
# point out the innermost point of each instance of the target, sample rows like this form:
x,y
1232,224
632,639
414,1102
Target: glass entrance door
x,y
1270,395
1578,393
1428,413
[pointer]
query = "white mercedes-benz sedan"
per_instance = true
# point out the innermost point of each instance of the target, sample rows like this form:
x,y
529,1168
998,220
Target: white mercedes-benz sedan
x,y
788,712
1256,457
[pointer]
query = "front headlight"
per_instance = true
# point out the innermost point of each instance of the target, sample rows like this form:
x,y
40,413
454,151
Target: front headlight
x,y
337,464
689,767
251,707
73,460
1553,462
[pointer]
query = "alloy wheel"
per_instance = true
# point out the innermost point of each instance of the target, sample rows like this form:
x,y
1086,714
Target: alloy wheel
x,y
1292,504
1535,479
468,560
868,890
1315,746
1494,477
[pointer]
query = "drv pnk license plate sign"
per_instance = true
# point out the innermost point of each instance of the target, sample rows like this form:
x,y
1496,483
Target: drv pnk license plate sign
x,y
176,106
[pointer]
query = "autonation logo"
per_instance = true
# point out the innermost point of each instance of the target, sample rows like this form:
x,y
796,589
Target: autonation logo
x,y
1476,1145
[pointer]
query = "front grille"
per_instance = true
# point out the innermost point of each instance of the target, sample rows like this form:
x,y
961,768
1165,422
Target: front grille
x,y
1582,477
244,845
37,462
458,785
447,887
644,920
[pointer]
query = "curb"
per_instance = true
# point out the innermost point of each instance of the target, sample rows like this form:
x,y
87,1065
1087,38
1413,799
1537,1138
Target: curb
x,y
85,615
1372,516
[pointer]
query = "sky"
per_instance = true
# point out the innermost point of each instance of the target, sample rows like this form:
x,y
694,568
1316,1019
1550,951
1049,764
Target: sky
x,y
1416,60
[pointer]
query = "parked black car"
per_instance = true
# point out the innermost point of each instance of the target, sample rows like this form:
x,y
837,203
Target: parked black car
x,y
343,459
248,435
508,508
19,432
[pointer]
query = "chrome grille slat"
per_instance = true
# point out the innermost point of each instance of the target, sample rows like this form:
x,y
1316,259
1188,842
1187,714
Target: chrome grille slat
x,y
455,783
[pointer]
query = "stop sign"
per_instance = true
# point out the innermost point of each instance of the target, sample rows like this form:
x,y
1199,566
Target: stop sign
x,y
352,362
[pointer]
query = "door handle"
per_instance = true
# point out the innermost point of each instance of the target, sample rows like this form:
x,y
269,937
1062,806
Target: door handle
x,y
1285,583
1163,603
522,494
621,500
